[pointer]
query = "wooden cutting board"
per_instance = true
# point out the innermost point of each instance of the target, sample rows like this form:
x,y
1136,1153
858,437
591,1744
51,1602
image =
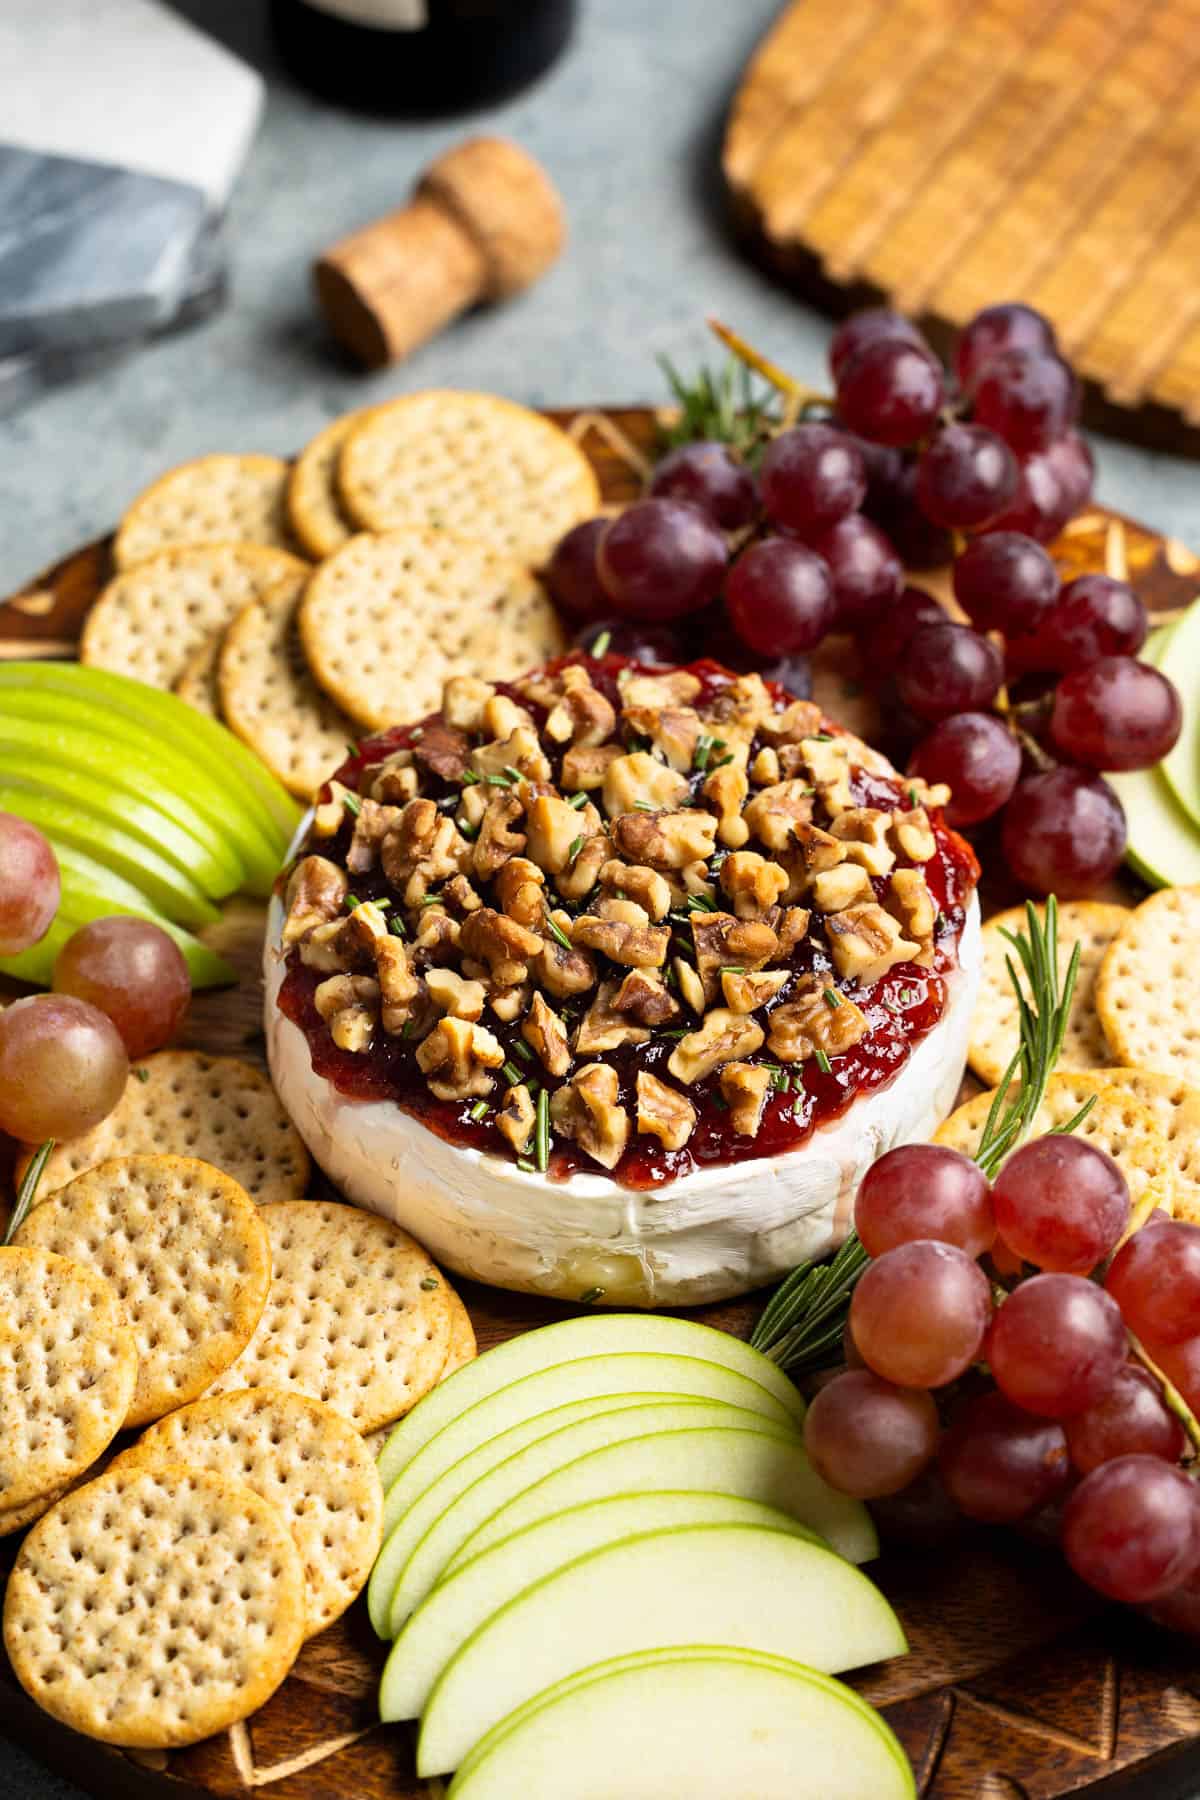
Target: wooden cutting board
x,y
1020,1685
947,153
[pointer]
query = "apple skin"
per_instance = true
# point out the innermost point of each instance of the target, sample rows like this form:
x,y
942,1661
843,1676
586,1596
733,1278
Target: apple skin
x,y
1175,652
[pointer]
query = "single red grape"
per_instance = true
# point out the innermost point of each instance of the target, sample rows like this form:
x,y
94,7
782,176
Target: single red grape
x,y
1075,466
1155,1280
869,327
707,474
1061,1203
948,669
919,1314
887,636
1179,1610
812,476
1063,833
1043,502
660,559
1116,714
1009,326
1000,1464
29,885
890,391
924,1191
1028,397
780,597
1056,1344
1180,1363
132,971
572,576
867,1438
891,503
1093,617
867,574
640,642
1130,1419
979,759
1005,582
1132,1529
63,1067
966,475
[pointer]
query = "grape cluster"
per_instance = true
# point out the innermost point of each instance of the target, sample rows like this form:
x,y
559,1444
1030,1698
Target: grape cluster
x,y
1022,1399
915,466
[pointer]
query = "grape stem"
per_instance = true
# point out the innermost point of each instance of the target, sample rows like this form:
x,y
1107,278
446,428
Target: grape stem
x,y
27,1192
794,392
1172,1398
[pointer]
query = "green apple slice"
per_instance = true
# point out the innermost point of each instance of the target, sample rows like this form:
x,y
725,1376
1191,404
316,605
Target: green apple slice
x,y
205,968
738,1586
725,1462
558,1386
1163,844
1177,654
256,839
166,885
705,1723
596,1334
457,1607
36,963
384,1601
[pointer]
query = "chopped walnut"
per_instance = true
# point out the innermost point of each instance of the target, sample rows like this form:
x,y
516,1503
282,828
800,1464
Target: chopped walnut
x,y
828,763
621,930
579,877
644,996
744,1088
696,880
638,780
663,1112
437,934
506,947
554,830
866,942
509,1003
463,700
603,1027
561,969
775,812
457,1056
516,1117
721,1038
461,896
371,825
913,836
674,730
864,832
847,885
349,1004
811,852
909,901
498,836
723,941
678,688
443,750
582,716
519,885
816,1018
473,803
792,926
586,1108
752,883
545,1032
520,750
399,986
451,994
315,891
665,840
423,847
764,770
583,770
727,789
394,780
745,992
924,793
741,710
330,815
330,950
634,881
502,716
801,719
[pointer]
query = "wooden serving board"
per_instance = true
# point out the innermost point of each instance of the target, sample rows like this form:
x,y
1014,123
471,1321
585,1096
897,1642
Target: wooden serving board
x,y
1021,1684
947,153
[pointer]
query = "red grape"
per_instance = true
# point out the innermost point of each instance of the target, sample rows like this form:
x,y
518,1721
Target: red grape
x,y
1000,1464
812,476
868,327
661,558
891,503
1063,833
780,597
708,475
1010,326
867,1438
1005,582
1115,714
922,1514
924,1191
1044,500
886,637
1131,1419
919,1314
978,757
29,885
1179,1610
645,643
1061,1204
1155,1280
572,576
132,971
966,476
1075,466
1132,1529
890,391
1093,617
63,1067
1056,1344
1028,397
867,574
1180,1363
948,669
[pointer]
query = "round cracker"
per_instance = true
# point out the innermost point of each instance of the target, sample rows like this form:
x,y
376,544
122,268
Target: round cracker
x,y
153,618
1148,988
268,695
198,683
995,1027
389,618
461,1346
68,1370
1118,1122
16,1518
314,506
357,1314
187,1252
183,1103
1176,1110
155,1606
211,500
307,1461
469,463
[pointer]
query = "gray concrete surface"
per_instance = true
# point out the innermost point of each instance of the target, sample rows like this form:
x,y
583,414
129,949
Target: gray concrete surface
x,y
629,125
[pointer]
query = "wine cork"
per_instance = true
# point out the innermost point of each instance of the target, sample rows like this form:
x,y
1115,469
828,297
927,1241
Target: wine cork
x,y
483,223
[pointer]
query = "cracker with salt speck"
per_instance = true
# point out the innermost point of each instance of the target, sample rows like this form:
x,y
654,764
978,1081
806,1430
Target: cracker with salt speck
x,y
314,507
357,1314
223,499
1176,1110
155,1606
184,1248
1148,988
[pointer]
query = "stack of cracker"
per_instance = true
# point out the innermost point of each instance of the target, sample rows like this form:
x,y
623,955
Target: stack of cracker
x,y
303,604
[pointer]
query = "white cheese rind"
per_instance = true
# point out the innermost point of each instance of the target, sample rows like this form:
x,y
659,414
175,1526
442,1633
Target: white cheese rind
x,y
706,1236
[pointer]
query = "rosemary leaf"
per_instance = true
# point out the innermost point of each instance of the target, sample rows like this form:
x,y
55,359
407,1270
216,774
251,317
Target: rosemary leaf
x,y
27,1192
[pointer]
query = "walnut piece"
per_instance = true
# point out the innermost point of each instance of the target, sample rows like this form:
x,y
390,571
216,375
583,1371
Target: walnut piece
x,y
775,812
621,930
634,881
665,840
315,891
744,1088
583,770
582,716
510,1002
792,926
520,750
424,847
399,985
690,984
909,901
349,1004
457,1056
745,993
674,730
764,772
579,877
459,895
866,942
437,934
561,969
913,836
506,947
443,749
553,829
663,1112
752,883
644,996
727,789
847,885
816,1018
545,1032
678,688
394,780
451,994
516,1117
723,1037
463,700
498,836
519,885
330,815
640,781
801,719
723,941
864,832
828,763
587,1110
812,851
603,1027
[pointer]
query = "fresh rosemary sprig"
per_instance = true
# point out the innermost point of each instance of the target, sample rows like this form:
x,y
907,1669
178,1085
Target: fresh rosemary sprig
x,y
27,1192
803,1321
730,404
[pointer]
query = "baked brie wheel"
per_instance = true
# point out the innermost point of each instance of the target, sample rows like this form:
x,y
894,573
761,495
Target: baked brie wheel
x,y
610,983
